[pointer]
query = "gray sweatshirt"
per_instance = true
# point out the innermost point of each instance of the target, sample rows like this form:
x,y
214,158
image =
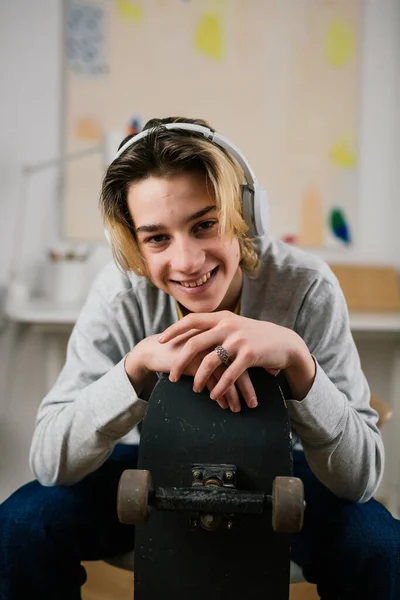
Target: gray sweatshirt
x,y
93,405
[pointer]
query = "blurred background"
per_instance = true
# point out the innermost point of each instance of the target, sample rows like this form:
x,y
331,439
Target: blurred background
x,y
310,92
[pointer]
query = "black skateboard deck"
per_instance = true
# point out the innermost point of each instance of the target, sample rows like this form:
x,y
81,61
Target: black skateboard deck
x,y
209,532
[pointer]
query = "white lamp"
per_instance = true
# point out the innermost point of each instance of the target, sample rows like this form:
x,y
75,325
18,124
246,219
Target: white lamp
x,y
18,290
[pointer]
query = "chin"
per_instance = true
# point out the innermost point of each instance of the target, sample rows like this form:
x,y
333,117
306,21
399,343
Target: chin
x,y
201,307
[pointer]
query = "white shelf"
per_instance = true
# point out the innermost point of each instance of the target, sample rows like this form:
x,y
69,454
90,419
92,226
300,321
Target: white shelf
x,y
375,322
40,311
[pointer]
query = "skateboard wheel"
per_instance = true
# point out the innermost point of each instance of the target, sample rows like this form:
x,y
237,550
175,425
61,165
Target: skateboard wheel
x,y
132,497
287,504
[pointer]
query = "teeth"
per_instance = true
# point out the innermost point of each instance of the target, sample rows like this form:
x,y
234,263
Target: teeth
x,y
196,283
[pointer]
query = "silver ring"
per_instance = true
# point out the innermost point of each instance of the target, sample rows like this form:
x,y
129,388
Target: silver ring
x,y
222,355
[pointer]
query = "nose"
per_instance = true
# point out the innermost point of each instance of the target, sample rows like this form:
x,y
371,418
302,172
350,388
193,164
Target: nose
x,y
187,257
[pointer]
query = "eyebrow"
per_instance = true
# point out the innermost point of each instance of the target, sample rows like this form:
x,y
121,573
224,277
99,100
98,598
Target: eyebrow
x,y
160,226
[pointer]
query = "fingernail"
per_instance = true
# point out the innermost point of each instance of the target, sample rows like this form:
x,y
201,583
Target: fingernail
x,y
253,403
195,389
172,378
160,338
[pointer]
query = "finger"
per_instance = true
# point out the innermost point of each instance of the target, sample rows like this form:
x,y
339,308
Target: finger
x,y
211,364
272,371
222,401
237,372
231,397
247,390
202,321
194,346
184,337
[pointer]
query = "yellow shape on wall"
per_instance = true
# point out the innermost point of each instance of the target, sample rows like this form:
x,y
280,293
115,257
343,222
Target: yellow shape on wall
x,y
208,37
130,11
342,155
340,43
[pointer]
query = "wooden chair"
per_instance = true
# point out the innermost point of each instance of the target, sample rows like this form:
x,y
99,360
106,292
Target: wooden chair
x,y
384,411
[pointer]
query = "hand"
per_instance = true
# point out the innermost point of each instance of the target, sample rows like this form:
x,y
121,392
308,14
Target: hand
x,y
249,343
150,356
171,353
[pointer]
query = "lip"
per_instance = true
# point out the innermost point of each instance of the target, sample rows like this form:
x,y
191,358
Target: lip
x,y
193,291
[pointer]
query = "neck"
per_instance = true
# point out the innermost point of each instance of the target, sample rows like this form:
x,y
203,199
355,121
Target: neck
x,y
233,294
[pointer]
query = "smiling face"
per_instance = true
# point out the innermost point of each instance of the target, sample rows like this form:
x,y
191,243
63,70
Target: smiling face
x,y
176,224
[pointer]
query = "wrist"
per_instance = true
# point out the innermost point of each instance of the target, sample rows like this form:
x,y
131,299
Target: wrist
x,y
135,367
301,370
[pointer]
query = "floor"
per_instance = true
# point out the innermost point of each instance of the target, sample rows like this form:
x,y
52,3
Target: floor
x,y
109,583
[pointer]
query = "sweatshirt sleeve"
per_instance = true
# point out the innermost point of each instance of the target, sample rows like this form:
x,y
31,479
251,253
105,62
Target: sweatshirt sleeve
x,y
92,404
335,422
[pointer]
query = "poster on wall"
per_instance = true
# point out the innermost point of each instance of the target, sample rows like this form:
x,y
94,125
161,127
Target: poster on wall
x,y
280,79
86,39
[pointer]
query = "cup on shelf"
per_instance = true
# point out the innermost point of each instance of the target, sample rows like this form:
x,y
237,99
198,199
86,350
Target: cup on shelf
x,y
68,279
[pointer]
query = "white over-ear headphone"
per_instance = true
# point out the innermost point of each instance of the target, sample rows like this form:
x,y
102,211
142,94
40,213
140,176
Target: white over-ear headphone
x,y
254,197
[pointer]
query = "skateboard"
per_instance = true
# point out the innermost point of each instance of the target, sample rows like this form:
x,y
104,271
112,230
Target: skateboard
x,y
213,499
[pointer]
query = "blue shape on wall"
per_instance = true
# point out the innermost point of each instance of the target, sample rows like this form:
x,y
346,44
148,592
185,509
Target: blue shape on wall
x,y
339,225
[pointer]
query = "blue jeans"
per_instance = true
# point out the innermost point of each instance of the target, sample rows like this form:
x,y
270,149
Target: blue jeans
x,y
352,551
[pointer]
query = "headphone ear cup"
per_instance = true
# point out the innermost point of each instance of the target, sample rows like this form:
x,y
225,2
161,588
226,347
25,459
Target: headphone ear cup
x,y
255,210
260,211
248,210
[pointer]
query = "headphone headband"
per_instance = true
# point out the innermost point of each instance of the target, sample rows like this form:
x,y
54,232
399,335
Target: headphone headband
x,y
212,136
254,200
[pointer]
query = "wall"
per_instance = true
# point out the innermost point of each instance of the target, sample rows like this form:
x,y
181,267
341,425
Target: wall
x,y
31,115
377,238
30,75
380,139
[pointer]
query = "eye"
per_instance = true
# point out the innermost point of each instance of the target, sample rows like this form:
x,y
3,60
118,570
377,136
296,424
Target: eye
x,y
205,225
156,240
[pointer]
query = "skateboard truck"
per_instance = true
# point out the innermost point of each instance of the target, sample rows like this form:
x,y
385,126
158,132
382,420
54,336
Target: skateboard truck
x,y
213,497
216,476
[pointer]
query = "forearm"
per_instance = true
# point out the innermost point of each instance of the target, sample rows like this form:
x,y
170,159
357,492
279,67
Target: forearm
x,y
76,431
301,372
349,470
343,447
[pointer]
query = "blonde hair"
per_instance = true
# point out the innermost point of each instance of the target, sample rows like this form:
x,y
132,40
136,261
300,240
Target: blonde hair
x,y
166,153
